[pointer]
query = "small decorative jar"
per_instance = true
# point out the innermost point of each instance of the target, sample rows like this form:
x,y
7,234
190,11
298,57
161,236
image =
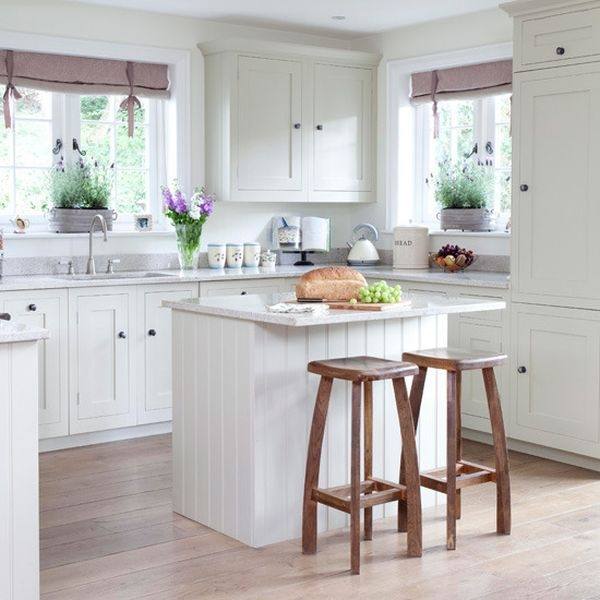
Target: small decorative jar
x,y
216,256
268,259
251,254
235,256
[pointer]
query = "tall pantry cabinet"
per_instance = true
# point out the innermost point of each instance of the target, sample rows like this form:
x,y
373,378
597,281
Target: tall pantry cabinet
x,y
555,337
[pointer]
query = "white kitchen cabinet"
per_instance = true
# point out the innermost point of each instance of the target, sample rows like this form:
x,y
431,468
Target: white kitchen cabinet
x,y
154,344
102,358
243,287
342,131
269,123
556,181
288,123
556,382
47,309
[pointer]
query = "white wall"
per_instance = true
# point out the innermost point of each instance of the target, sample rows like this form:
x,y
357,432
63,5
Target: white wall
x,y
457,33
231,222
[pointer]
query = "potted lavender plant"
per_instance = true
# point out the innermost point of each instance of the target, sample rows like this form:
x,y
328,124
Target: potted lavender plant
x,y
188,217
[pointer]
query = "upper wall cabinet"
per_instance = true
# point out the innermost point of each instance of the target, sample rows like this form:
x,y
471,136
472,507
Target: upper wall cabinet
x,y
288,123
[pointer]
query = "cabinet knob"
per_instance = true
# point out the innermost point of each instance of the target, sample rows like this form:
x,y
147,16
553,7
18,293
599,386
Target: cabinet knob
x,y
297,125
319,127
524,187
5,317
560,50
151,332
243,293
122,335
32,307
521,370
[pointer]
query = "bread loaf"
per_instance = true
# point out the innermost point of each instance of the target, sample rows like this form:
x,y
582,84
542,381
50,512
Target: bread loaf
x,y
330,283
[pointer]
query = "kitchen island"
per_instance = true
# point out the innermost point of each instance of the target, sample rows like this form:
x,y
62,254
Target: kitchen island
x,y
243,404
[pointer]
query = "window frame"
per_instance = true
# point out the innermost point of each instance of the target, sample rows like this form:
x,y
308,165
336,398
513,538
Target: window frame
x,y
174,133
398,144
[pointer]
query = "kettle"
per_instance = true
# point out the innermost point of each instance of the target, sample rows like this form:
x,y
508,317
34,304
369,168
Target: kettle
x,y
362,249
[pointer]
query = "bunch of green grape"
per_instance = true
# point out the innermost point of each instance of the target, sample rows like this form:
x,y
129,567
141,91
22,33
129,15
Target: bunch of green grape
x,y
380,293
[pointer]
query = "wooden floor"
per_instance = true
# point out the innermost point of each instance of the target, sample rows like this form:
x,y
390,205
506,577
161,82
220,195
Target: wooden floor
x,y
108,533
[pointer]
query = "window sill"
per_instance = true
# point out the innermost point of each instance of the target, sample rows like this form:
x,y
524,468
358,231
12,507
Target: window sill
x,y
121,233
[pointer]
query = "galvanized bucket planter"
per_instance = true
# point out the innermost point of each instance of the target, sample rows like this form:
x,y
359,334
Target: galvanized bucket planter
x,y
78,220
467,219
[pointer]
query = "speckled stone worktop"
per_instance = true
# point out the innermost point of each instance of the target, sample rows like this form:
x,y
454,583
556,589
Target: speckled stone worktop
x,y
33,282
254,308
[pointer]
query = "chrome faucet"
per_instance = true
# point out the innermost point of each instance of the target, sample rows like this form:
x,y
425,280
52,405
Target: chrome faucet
x,y
91,263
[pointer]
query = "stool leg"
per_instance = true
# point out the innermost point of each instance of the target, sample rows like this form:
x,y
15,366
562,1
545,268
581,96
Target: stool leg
x,y
416,397
355,480
451,462
313,464
368,452
459,442
503,518
411,469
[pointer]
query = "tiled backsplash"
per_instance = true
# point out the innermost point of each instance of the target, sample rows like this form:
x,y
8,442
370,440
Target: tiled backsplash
x,y
42,265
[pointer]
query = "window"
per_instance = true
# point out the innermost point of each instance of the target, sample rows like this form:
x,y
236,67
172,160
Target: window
x,y
100,127
468,129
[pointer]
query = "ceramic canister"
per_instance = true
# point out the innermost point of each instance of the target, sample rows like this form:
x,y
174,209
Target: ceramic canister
x,y
251,254
216,256
235,256
411,247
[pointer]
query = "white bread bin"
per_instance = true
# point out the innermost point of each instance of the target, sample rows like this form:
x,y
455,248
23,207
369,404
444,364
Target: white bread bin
x,y
411,247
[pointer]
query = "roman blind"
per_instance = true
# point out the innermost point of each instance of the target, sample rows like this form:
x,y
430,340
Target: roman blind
x,y
81,75
469,81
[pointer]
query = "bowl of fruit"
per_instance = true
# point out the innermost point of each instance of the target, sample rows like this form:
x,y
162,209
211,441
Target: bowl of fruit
x,y
453,258
379,293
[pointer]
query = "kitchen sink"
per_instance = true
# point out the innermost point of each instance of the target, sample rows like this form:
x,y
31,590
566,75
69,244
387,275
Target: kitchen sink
x,y
128,275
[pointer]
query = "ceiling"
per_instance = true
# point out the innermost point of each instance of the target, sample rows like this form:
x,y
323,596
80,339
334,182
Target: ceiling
x,y
362,17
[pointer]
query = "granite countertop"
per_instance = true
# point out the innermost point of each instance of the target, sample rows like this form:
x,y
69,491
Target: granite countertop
x,y
32,282
253,308
18,332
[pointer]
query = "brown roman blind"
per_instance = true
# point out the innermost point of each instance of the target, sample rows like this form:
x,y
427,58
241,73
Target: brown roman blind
x,y
469,81
81,75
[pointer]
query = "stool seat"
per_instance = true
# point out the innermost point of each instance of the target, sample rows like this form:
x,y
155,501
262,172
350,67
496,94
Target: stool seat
x,y
454,359
361,369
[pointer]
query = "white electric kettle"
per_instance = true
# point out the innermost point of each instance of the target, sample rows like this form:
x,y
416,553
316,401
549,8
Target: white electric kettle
x,y
362,249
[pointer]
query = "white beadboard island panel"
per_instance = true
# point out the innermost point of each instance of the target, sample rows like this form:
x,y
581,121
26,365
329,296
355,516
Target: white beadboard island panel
x,y
243,404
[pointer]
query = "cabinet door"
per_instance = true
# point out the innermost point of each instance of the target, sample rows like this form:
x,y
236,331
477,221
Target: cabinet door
x,y
556,375
556,210
269,125
155,372
47,310
102,362
342,129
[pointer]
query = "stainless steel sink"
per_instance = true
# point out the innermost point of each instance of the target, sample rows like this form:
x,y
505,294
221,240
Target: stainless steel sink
x,y
108,276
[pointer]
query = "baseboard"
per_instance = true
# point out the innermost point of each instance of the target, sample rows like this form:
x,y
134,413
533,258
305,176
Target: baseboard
x,y
585,462
101,437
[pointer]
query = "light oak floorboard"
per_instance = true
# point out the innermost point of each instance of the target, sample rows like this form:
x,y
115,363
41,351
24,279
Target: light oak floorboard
x,y
108,532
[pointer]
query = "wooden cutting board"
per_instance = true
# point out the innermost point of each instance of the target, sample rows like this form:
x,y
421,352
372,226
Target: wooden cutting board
x,y
364,306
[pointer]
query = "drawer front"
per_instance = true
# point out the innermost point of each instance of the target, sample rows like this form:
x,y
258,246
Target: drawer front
x,y
560,37
240,287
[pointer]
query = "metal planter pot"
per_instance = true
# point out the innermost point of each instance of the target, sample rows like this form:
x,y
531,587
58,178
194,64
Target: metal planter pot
x,y
78,220
467,219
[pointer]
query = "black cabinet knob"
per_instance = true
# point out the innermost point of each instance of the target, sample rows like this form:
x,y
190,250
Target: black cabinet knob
x,y
151,332
122,335
297,125
524,187
560,50
32,307
243,293
522,370
319,127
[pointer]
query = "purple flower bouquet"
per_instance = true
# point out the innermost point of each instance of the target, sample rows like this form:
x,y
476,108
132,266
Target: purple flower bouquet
x,y
188,217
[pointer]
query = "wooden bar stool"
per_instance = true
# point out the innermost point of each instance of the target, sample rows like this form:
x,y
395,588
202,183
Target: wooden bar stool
x,y
371,491
450,481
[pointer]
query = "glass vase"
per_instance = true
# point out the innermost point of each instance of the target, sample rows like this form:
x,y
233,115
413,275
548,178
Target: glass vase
x,y
188,243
